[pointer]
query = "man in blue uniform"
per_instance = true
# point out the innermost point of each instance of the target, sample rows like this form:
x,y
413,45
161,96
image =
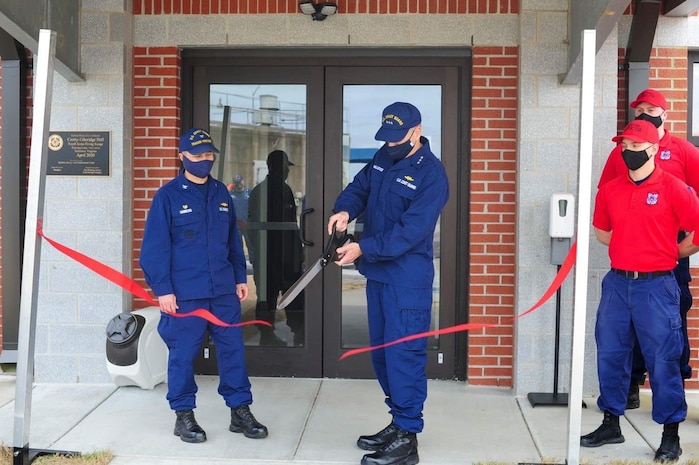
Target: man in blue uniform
x,y
401,193
192,258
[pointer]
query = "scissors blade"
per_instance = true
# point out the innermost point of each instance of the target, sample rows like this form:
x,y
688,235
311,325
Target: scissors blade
x,y
300,284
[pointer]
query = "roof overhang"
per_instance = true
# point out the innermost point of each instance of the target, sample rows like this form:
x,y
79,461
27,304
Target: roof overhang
x,y
23,19
680,7
603,15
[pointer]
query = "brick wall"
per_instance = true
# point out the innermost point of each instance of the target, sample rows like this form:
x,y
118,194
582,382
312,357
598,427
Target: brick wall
x,y
623,103
492,220
149,7
156,110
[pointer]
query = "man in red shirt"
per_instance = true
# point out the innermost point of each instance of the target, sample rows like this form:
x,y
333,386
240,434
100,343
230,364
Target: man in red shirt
x,y
638,217
680,158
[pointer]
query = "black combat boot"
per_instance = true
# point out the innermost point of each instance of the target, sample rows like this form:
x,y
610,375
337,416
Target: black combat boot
x,y
378,440
633,400
669,450
608,433
187,428
400,450
243,421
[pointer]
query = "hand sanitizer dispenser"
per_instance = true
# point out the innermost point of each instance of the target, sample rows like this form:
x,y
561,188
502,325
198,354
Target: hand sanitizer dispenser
x,y
562,220
561,225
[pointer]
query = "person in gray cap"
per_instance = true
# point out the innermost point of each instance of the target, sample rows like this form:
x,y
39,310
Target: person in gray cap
x,y
401,193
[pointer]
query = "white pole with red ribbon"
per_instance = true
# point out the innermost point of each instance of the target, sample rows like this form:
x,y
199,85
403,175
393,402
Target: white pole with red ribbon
x,y
587,116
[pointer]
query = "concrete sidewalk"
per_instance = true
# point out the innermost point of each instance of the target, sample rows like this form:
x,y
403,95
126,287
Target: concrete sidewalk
x,y
317,421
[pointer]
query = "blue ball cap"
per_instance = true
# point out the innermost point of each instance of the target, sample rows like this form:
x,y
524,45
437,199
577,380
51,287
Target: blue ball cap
x,y
396,120
197,141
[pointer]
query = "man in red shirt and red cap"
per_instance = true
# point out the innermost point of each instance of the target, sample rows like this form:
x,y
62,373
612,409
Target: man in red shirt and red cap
x,y
680,158
638,217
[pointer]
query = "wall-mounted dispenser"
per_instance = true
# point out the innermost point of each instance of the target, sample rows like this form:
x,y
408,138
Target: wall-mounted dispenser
x,y
561,225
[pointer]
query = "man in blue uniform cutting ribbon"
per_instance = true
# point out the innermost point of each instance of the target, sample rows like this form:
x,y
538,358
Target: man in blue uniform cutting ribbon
x,y
401,192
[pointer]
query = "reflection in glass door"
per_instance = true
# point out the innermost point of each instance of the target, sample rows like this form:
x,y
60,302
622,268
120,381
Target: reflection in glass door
x,y
262,129
362,105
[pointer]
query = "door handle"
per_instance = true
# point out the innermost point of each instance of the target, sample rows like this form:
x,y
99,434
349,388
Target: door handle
x,y
302,230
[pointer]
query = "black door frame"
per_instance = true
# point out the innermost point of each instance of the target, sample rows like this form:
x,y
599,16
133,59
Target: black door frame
x,y
460,59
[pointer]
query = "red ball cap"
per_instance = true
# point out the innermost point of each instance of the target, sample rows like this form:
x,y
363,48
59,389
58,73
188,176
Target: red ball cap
x,y
639,131
651,96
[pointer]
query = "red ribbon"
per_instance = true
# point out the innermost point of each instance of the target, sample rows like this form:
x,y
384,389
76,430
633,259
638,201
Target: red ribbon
x,y
132,286
557,282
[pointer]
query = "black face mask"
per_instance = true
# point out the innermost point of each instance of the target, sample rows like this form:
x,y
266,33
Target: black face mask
x,y
634,159
398,152
654,120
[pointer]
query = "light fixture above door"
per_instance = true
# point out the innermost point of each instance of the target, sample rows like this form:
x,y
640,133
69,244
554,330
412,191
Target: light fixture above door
x,y
317,11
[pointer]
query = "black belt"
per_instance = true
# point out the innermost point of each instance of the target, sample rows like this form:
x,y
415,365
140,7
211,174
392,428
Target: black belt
x,y
641,274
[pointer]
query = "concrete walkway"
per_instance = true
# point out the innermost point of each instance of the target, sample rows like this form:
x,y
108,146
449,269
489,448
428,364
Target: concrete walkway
x,y
317,421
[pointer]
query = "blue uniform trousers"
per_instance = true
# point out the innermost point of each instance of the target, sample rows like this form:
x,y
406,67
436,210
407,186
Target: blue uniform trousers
x,y
638,372
184,338
395,312
651,308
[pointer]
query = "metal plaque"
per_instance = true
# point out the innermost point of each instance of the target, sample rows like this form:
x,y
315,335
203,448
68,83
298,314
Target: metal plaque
x,y
84,153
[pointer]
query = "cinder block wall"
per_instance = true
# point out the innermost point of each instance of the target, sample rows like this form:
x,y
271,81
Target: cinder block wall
x,y
90,214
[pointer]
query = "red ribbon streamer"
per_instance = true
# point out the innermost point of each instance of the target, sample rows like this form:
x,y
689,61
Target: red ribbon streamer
x,y
132,286
555,284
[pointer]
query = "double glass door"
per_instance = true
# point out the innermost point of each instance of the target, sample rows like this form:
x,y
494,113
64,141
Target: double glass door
x,y
291,138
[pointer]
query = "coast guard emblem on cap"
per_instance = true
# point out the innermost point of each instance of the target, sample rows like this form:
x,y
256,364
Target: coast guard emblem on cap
x,y
652,198
665,155
199,137
390,119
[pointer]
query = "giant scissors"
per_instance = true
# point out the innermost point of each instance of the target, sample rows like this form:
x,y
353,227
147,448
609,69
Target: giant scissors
x,y
337,239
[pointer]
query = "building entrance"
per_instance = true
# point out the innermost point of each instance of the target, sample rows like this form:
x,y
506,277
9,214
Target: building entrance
x,y
292,135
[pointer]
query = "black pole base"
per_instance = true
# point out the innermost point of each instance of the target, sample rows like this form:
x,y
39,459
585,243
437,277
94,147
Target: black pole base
x,y
25,455
547,398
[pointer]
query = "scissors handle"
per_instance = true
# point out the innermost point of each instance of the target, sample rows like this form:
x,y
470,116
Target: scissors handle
x,y
337,239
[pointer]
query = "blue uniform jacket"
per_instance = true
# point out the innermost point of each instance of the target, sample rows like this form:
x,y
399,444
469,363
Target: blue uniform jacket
x,y
402,203
191,246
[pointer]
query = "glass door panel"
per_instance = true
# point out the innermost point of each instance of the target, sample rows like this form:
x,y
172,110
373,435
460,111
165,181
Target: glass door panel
x,y
262,129
356,97
258,117
362,105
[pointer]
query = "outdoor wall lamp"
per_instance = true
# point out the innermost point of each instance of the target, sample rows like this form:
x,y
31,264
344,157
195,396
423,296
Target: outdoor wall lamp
x,y
317,11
